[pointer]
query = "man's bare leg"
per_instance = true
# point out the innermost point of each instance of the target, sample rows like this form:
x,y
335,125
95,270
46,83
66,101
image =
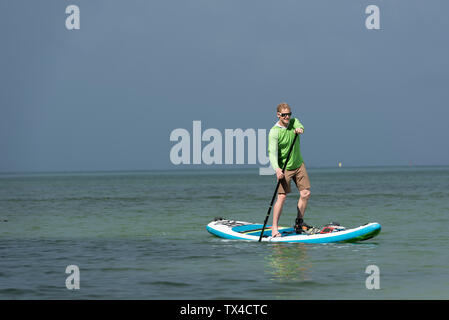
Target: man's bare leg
x,y
302,202
302,206
277,210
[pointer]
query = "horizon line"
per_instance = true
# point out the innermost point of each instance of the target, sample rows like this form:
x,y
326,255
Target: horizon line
x,y
214,167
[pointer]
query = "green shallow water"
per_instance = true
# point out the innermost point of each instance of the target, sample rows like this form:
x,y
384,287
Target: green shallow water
x,y
141,235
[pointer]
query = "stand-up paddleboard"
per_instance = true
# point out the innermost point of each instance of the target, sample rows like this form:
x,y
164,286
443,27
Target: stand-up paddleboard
x,y
240,230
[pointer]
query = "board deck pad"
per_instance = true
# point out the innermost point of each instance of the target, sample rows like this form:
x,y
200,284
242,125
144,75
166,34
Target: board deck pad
x,y
241,230
256,229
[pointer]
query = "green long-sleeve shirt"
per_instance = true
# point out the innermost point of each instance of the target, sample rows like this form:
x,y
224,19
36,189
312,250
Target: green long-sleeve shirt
x,y
279,141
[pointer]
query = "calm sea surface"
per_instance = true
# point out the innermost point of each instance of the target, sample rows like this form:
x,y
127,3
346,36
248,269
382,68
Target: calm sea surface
x,y
141,235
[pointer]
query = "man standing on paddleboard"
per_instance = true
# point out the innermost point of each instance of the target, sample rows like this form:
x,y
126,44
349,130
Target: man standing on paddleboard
x,y
280,139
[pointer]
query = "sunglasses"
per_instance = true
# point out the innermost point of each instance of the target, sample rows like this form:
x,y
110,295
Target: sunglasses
x,y
283,115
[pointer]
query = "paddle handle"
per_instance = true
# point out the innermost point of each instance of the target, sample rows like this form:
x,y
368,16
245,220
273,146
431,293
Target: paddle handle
x,y
277,187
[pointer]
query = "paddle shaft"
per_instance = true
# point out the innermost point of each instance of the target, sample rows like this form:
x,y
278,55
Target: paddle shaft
x,y
277,187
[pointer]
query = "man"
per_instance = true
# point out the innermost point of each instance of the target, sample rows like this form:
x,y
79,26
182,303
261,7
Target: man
x,y
280,138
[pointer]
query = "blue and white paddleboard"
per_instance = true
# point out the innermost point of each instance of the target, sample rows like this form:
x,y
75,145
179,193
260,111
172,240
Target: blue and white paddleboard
x,y
240,230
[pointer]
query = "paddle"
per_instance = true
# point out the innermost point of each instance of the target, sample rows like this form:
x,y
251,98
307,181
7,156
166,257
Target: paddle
x,y
277,187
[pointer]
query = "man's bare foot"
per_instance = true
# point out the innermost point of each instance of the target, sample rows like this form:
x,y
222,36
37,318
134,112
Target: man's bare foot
x,y
276,234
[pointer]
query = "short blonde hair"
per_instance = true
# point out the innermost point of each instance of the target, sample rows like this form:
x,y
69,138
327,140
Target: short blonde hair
x,y
282,106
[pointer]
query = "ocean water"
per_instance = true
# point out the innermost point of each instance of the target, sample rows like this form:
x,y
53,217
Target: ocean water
x,y
141,235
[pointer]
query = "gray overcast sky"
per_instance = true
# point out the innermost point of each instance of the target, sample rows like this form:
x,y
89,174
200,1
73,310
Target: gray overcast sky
x,y
107,96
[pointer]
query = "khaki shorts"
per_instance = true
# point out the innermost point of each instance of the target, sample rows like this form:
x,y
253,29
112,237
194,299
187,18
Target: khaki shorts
x,y
299,176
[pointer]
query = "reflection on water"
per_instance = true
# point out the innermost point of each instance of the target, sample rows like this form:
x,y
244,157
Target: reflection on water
x,y
299,262
289,262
